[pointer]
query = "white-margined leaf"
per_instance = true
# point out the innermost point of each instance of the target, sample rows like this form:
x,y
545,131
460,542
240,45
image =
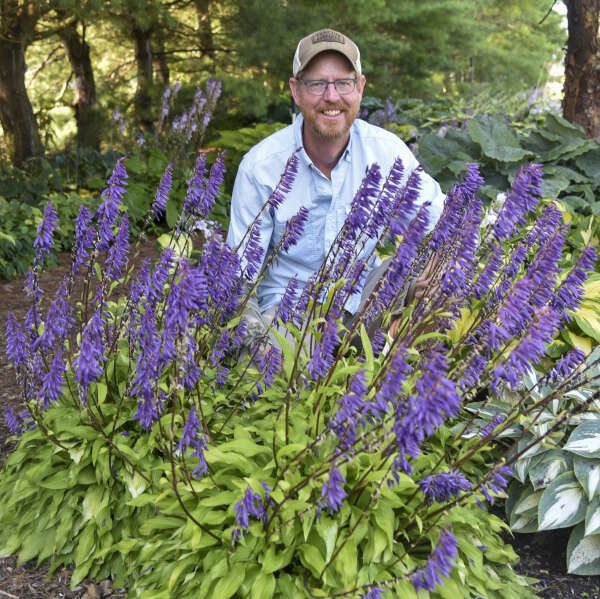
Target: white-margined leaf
x,y
548,466
525,523
592,517
587,472
585,440
523,511
580,395
563,503
583,553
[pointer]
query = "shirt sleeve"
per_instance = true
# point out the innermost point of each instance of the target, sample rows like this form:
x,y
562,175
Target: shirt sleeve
x,y
247,199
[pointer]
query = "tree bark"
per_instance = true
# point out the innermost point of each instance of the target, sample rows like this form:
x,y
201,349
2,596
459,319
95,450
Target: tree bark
x,y
143,96
17,29
205,28
581,92
161,66
86,112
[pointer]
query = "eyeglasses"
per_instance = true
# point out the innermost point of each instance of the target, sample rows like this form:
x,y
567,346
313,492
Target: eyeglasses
x,y
317,87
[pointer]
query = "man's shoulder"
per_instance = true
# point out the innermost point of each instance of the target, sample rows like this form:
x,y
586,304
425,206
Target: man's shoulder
x,y
275,148
368,131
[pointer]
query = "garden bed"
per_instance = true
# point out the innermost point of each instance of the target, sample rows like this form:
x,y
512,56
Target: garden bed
x,y
542,555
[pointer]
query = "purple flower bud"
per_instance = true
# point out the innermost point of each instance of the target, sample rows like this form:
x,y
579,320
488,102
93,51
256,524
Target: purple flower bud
x,y
333,494
44,241
108,212
162,193
294,228
250,505
323,356
440,563
285,183
53,381
116,260
17,348
443,486
88,364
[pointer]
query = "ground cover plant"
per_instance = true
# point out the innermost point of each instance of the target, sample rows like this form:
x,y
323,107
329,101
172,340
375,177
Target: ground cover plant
x,y
152,451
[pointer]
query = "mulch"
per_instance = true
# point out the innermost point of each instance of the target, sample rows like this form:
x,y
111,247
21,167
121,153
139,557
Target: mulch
x,y
542,554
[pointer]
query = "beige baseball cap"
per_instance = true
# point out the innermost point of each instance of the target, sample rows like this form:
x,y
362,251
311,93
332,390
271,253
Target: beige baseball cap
x,y
321,41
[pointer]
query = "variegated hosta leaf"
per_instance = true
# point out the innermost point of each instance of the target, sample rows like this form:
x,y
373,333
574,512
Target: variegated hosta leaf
x,y
520,468
523,512
577,419
530,379
563,503
587,471
585,440
583,553
548,466
592,517
580,395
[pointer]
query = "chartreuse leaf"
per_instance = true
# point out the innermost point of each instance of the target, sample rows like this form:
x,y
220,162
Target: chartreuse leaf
x,y
311,558
264,586
587,472
562,504
230,583
587,316
368,349
288,353
583,553
585,440
276,559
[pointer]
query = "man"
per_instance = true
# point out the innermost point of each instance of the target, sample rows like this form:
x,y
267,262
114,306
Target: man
x,y
335,148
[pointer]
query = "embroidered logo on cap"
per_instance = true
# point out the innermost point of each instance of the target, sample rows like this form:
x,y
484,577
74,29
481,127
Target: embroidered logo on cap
x,y
327,36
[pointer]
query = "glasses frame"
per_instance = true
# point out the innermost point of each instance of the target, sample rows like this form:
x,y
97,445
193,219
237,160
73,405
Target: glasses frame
x,y
307,82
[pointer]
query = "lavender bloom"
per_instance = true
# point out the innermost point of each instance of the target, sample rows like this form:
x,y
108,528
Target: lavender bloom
x,y
391,388
362,203
322,358
530,348
438,565
108,212
294,228
349,415
17,348
373,593
496,484
250,505
488,429
190,429
195,186
521,199
566,366
18,423
378,341
333,494
88,364
570,293
43,242
188,367
116,260
199,445
162,193
160,276
148,412
404,206
270,365
285,183
285,310
84,238
253,252
443,486
212,186
487,276
52,381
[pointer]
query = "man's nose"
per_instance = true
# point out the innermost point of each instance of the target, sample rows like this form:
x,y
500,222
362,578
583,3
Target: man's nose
x,y
331,94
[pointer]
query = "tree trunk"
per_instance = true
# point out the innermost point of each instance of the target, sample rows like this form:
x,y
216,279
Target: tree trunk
x,y
161,66
17,26
581,99
205,28
143,96
86,112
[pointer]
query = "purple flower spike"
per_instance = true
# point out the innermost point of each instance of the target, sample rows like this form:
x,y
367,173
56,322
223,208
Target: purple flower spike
x,y
17,348
44,241
108,212
285,183
294,228
213,186
18,423
52,381
443,486
84,238
566,366
570,293
285,311
496,484
88,364
250,505
116,260
195,186
162,193
440,563
333,494
323,356
362,203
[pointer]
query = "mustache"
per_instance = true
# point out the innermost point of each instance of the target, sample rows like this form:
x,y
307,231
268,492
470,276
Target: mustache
x,y
332,106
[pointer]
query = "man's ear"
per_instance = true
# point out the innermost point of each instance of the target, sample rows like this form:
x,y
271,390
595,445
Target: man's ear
x,y
294,88
361,84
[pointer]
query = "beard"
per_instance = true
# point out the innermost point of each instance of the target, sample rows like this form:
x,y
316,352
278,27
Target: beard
x,y
329,131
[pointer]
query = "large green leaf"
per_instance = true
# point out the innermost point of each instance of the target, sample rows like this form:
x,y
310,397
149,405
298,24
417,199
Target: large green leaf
x,y
583,553
546,467
592,517
562,504
230,583
496,139
585,440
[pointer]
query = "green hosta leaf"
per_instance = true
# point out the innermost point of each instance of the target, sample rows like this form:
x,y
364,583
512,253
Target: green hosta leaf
x,y
583,553
327,528
311,558
276,559
230,583
562,504
496,138
136,484
592,517
585,440
548,466
345,563
587,471
264,586
587,317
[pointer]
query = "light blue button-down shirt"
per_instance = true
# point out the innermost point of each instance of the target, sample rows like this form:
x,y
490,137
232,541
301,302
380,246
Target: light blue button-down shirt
x,y
328,200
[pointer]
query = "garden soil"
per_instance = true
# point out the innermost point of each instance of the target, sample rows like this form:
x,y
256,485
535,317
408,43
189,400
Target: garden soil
x,y
542,555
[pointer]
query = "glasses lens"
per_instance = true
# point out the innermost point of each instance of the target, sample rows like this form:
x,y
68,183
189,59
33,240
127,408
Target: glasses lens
x,y
344,86
316,87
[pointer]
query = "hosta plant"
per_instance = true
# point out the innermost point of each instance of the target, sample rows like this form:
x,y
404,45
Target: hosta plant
x,y
154,451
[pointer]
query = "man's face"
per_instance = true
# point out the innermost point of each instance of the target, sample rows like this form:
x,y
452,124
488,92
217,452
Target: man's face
x,y
328,116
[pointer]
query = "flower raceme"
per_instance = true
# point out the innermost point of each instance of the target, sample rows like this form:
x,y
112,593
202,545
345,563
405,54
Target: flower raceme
x,y
338,433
